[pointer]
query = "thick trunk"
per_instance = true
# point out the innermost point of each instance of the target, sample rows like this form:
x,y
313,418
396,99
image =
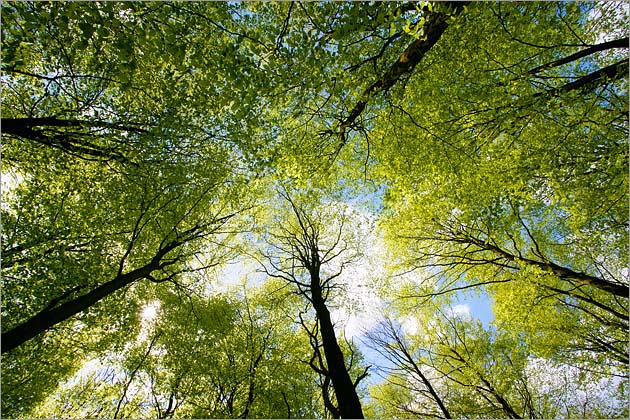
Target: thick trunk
x,y
347,398
330,406
20,125
54,314
436,24
50,317
73,136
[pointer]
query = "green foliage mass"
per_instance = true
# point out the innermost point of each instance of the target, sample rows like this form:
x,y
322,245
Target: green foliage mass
x,y
146,149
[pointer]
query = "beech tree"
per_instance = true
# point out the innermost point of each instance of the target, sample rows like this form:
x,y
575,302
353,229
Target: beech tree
x,y
518,189
303,252
452,366
77,259
232,356
142,143
107,194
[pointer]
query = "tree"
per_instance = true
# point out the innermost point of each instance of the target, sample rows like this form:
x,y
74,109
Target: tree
x,y
453,366
390,342
101,204
366,50
353,362
113,188
232,355
301,251
512,180
71,263
162,217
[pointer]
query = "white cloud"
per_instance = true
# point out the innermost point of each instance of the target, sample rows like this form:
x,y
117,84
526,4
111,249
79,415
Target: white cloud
x,y
359,305
410,325
461,311
358,324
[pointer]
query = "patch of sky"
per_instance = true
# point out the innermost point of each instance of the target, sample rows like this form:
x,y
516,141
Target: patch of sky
x,y
477,305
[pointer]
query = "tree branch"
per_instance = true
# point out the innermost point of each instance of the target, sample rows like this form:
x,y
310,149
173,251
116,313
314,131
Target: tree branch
x,y
434,27
617,43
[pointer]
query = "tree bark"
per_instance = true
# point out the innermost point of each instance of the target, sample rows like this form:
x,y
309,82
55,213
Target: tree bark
x,y
564,273
436,24
347,398
53,315
72,136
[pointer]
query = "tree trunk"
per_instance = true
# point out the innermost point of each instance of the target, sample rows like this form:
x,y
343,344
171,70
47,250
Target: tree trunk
x,y
347,398
434,27
54,314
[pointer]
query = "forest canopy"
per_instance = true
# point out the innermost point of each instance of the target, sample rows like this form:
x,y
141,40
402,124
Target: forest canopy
x,y
287,209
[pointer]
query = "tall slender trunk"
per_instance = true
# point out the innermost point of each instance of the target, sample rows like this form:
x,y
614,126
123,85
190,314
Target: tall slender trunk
x,y
347,398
